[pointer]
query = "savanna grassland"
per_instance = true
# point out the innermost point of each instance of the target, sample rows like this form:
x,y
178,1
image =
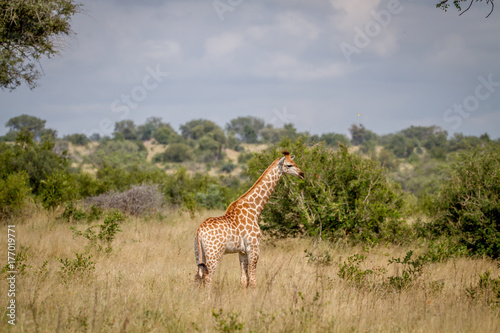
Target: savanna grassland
x,y
141,280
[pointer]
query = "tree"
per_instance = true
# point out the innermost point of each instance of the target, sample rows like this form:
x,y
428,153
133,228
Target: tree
x,y
196,129
29,123
468,205
165,134
359,134
443,4
29,30
77,139
127,129
342,195
145,132
246,129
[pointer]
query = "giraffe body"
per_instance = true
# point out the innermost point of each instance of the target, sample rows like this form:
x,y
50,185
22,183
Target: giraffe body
x,y
237,231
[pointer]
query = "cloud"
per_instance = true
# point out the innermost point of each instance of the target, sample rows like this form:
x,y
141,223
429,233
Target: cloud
x,y
296,25
267,55
222,45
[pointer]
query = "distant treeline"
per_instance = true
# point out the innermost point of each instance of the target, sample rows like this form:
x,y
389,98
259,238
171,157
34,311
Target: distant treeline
x,y
361,190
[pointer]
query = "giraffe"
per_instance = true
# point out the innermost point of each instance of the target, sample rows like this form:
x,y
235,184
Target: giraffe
x,y
237,231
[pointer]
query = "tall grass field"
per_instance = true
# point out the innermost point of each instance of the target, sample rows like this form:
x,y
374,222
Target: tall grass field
x,y
71,278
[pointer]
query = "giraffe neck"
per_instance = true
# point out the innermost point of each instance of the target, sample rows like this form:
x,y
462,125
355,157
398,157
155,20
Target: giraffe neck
x,y
254,200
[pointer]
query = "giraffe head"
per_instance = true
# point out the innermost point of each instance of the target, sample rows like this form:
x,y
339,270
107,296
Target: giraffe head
x,y
288,166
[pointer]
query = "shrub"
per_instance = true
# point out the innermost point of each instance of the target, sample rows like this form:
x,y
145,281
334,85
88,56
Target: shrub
x,y
468,205
342,195
119,153
107,231
487,288
111,178
176,152
82,266
14,190
77,139
58,188
212,198
139,199
37,160
351,271
411,269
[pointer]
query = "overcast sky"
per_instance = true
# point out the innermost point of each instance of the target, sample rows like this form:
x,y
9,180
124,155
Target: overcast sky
x,y
321,65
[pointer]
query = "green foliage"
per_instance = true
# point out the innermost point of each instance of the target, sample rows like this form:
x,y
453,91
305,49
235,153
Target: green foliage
x,y
411,269
196,129
121,178
324,259
14,191
119,153
20,260
165,134
73,213
59,187
360,135
331,139
246,129
176,153
342,195
25,122
125,129
351,271
401,146
37,160
81,267
388,160
468,205
106,233
77,139
145,131
487,288
228,167
183,190
244,157
30,30
227,322
212,198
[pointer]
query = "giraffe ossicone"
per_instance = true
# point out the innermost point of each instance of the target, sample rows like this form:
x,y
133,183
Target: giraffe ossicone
x,y
237,231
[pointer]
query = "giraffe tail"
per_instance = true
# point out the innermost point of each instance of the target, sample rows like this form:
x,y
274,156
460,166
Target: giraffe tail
x,y
202,270
202,267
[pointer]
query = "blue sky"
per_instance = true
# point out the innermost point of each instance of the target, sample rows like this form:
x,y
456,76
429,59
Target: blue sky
x,y
316,64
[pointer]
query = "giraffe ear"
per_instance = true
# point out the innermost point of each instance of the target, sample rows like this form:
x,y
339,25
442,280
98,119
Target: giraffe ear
x,y
292,157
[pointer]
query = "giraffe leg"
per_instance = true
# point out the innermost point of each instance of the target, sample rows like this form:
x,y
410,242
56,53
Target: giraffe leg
x,y
212,263
244,269
253,257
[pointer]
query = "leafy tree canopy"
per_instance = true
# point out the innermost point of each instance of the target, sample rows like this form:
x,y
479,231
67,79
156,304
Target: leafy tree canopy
x,y
196,129
246,129
29,30
34,125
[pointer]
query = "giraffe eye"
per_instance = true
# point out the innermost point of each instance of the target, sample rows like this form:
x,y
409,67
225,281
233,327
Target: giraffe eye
x,y
289,165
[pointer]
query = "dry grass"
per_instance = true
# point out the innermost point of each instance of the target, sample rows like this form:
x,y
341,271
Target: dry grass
x,y
145,284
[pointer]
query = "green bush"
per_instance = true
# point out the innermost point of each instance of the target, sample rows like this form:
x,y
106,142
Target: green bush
x,y
37,160
468,205
176,152
119,153
77,139
58,188
342,195
212,198
14,190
